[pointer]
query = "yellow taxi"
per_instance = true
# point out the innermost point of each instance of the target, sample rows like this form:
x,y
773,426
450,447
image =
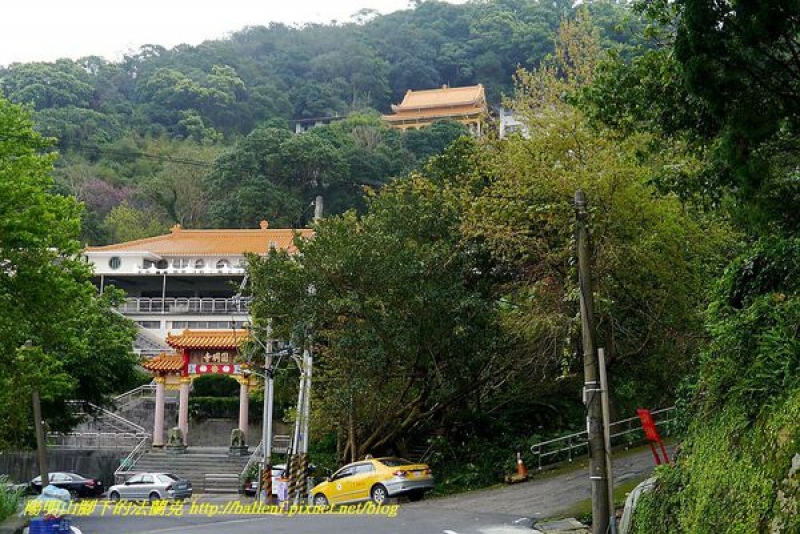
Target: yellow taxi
x,y
374,479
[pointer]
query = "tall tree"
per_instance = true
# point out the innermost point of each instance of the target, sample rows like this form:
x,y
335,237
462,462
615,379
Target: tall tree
x,y
646,316
47,302
401,331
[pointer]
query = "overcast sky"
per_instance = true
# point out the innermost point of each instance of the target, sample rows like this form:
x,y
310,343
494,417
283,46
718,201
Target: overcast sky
x,y
45,30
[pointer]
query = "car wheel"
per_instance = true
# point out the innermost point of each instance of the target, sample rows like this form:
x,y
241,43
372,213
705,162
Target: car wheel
x,y
74,495
379,494
114,497
320,500
415,496
154,496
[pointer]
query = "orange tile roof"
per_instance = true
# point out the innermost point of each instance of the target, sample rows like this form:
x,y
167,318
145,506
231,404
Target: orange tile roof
x,y
182,242
446,96
165,362
207,339
432,114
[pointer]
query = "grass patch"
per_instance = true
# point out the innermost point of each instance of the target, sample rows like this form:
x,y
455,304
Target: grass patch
x,y
9,500
582,511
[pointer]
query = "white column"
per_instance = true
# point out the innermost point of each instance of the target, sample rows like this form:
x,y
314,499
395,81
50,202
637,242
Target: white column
x,y
183,413
244,406
158,424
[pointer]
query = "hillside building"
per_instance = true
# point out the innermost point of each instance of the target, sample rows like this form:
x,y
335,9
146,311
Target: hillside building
x,y
510,124
466,105
187,279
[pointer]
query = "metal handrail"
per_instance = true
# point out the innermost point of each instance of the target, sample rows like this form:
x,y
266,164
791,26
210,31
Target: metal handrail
x,y
280,442
141,392
99,440
629,429
125,398
130,461
111,415
254,458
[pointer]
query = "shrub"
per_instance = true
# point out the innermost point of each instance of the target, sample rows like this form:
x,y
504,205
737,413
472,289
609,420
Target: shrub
x,y
215,386
9,500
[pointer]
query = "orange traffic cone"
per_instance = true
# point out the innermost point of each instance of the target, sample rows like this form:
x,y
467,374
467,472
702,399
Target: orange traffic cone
x,y
522,471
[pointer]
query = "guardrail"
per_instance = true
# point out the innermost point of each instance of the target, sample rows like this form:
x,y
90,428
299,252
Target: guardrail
x,y
94,440
625,432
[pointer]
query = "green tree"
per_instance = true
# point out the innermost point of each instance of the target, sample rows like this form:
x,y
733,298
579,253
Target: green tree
x,y
47,85
401,331
646,316
127,223
46,298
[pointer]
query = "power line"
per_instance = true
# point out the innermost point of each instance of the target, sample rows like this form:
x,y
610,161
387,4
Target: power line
x,y
140,154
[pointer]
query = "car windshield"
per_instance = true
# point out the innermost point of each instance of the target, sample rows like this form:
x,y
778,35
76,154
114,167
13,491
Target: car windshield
x,y
170,476
394,462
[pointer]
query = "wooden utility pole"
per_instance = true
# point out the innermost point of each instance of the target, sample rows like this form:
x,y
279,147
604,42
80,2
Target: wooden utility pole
x,y
591,387
41,444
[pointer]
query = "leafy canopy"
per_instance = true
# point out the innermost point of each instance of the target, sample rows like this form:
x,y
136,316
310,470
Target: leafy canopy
x,y
55,331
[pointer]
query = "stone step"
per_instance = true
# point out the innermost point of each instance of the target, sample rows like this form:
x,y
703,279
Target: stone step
x,y
221,483
209,471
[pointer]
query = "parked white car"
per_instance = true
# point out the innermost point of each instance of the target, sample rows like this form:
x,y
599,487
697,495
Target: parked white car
x,y
251,486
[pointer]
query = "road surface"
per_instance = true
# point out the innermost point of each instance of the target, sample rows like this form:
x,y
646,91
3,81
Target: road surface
x,y
502,510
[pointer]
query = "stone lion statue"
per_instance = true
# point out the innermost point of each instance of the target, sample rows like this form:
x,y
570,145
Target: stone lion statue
x,y
175,437
237,438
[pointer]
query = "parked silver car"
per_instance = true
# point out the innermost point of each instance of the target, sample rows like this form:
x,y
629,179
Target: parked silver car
x,y
151,487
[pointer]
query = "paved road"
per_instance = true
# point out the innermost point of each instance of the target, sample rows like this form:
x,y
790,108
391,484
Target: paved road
x,y
545,496
503,510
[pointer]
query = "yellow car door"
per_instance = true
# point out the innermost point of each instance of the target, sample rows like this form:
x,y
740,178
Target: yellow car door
x,y
362,481
343,482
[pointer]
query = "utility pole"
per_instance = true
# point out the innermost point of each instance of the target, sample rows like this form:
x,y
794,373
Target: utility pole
x,y
265,484
38,425
612,513
591,387
41,445
307,363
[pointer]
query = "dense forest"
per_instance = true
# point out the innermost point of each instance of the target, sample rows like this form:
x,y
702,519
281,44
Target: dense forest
x,y
445,297
185,134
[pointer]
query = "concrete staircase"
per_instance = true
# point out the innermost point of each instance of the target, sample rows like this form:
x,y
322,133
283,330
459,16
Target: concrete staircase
x,y
149,345
209,469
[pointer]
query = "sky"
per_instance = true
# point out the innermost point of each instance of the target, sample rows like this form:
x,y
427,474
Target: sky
x,y
45,30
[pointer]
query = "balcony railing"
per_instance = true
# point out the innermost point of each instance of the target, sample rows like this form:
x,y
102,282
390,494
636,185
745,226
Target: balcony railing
x,y
185,306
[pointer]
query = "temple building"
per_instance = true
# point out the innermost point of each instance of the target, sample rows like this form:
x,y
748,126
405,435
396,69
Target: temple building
x,y
198,353
187,279
466,105
184,292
